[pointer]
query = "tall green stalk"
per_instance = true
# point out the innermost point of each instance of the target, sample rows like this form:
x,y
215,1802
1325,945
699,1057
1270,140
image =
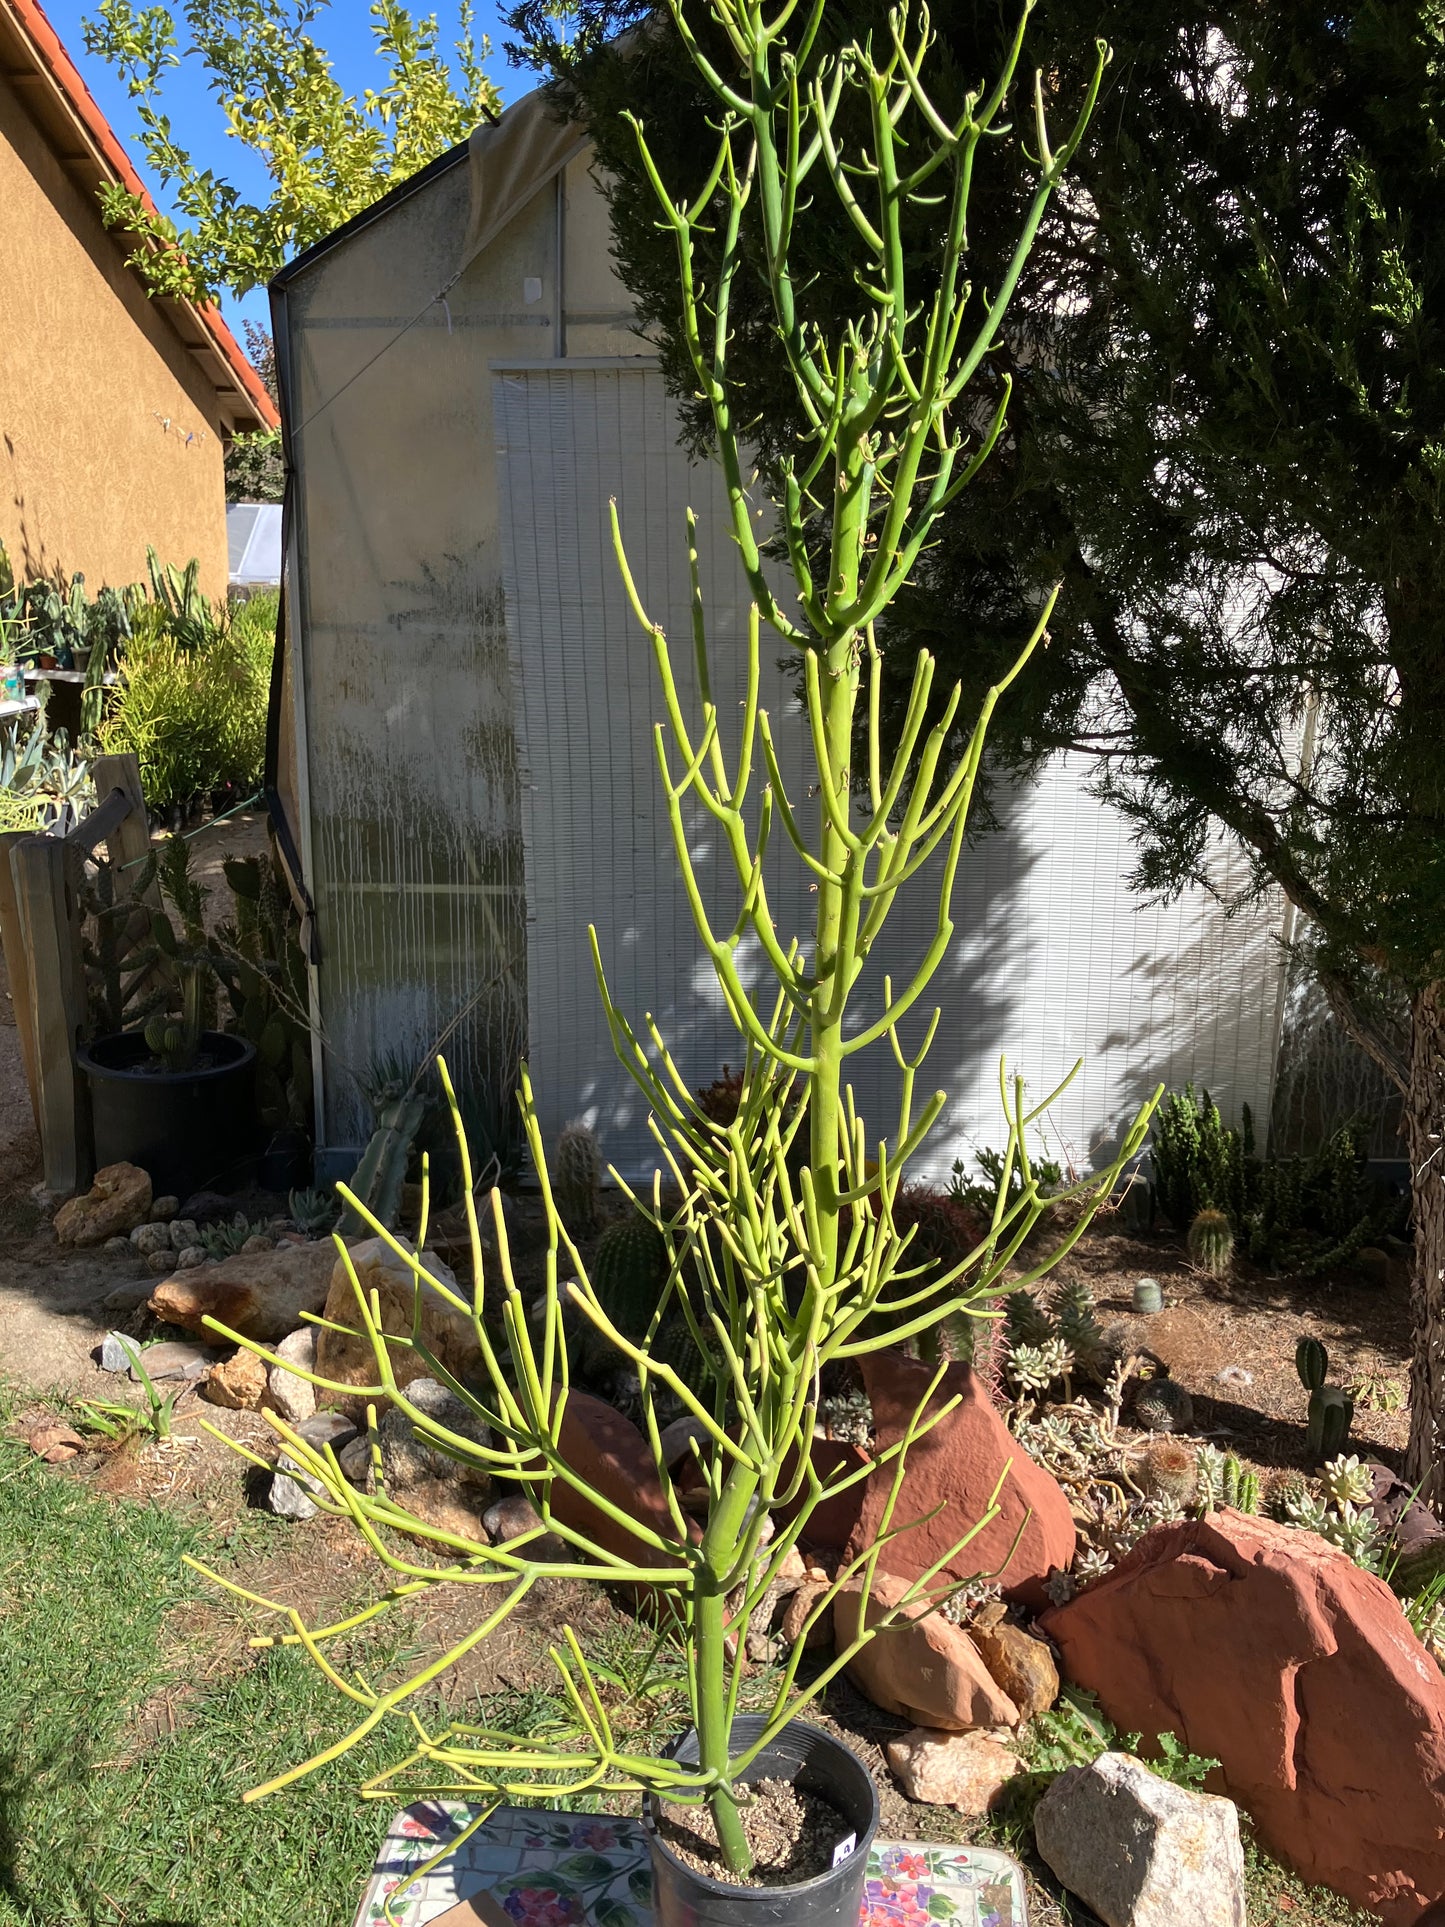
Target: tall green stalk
x,y
777,1273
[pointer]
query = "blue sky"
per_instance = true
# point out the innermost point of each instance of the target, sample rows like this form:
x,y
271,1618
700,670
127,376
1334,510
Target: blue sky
x,y
345,32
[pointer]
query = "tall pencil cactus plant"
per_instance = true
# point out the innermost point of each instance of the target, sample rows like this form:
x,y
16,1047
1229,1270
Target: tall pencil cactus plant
x,y
774,1275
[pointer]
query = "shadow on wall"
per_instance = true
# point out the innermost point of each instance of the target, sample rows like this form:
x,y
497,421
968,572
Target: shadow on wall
x,y
1208,1014
977,987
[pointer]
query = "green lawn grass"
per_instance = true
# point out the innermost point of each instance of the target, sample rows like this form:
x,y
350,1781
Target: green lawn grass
x,y
98,1822
109,1820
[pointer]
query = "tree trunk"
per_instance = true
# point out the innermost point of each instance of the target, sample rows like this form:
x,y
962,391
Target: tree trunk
x,y
1425,1142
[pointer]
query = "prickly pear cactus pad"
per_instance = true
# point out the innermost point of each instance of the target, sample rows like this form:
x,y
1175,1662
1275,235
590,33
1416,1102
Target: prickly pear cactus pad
x,y
547,1869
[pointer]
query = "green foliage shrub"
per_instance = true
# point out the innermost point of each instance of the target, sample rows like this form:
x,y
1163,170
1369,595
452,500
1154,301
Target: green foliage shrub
x,y
195,717
1302,1214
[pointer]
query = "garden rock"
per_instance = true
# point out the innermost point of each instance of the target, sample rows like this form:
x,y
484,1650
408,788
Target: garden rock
x,y
355,1461
258,1241
795,1617
127,1297
926,1670
1140,1851
509,1517
117,1350
238,1384
288,1498
54,1442
151,1237
406,1456
438,1504
190,1258
446,1332
164,1209
1022,1665
261,1295
1272,1652
118,1200
293,1397
174,1359
183,1233
610,1452
956,1467
327,1428
205,1207
117,1243
964,1770
161,1263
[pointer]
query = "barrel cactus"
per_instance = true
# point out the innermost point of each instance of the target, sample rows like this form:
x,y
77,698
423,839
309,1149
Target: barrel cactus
x,y
577,1177
1171,1470
1312,1362
629,1273
1163,1405
1211,1241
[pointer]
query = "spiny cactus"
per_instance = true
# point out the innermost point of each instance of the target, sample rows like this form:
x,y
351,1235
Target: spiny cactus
x,y
1136,1207
1312,1362
1286,1489
1163,1405
629,1273
1171,1469
577,1177
1211,1242
1241,1485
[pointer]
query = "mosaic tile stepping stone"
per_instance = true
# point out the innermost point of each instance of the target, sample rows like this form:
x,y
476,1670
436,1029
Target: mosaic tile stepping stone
x,y
539,1868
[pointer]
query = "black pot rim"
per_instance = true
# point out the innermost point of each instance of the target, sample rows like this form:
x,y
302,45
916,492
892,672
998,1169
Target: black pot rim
x,y
238,1051
723,1888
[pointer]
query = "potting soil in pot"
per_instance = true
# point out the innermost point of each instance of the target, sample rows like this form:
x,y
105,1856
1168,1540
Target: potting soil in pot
x,y
548,1869
792,1832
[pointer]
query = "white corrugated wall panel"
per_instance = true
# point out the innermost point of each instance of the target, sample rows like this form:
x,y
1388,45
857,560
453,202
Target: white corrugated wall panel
x,y
1054,958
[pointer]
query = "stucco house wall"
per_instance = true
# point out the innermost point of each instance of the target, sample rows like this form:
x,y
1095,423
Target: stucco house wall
x,y
114,408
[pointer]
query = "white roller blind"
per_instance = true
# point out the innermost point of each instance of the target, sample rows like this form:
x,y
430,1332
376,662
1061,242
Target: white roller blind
x,y
1053,959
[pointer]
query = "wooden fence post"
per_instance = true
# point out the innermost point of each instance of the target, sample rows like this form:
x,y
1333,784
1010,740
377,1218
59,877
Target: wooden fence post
x,y
130,841
47,875
17,969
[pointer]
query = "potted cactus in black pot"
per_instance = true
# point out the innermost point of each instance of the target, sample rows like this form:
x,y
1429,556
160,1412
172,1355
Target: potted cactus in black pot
x,y
169,1090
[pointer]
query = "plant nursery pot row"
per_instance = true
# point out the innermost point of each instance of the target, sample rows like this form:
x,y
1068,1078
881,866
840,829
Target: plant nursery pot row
x,y
811,1759
188,1129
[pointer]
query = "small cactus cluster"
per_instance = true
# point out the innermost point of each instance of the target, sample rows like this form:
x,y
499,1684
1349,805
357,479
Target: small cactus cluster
x,y
1210,1241
577,1177
1066,1338
1331,1409
1225,1480
1163,1405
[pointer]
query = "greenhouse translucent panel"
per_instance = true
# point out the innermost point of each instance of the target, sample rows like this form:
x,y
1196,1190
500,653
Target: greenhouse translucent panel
x,y
1053,959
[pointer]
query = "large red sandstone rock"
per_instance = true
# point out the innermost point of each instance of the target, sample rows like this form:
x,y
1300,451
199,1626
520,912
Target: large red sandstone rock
x,y
1272,1652
956,1467
610,1452
924,1669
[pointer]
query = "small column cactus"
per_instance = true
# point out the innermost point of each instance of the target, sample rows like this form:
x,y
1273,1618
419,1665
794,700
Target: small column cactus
x,y
1210,1242
577,1177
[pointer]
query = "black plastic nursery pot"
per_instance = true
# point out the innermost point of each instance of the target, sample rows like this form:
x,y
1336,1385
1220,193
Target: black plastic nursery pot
x,y
682,1897
188,1129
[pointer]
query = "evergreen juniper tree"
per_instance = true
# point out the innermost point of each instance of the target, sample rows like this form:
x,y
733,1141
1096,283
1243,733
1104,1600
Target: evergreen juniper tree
x,y
1227,439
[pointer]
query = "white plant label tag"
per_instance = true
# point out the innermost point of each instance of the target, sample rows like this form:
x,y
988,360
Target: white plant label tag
x,y
844,1849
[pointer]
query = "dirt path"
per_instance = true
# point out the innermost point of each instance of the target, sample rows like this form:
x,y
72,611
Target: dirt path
x,y
51,1317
